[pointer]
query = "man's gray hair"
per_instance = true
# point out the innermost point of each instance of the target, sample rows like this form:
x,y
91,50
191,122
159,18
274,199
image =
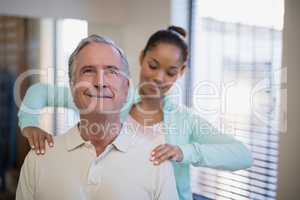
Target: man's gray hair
x,y
97,39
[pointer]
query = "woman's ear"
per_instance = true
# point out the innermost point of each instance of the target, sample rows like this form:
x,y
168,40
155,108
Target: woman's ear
x,y
183,69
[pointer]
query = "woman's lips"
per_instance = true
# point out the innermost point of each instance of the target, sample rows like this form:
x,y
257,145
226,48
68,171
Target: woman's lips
x,y
158,88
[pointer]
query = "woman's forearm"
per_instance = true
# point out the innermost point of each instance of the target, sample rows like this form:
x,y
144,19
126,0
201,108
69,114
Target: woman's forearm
x,y
211,148
39,96
232,156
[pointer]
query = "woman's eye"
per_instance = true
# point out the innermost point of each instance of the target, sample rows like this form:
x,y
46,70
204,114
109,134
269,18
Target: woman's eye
x,y
172,73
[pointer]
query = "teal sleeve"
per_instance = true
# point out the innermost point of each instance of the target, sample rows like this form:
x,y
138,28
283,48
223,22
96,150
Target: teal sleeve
x,y
213,149
39,96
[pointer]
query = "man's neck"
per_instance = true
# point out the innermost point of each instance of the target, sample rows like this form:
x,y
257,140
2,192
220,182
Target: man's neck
x,y
100,130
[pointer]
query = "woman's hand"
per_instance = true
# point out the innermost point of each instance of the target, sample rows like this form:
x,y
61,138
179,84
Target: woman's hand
x,y
166,152
36,138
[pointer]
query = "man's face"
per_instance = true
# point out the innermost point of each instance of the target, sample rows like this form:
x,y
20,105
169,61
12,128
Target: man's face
x,y
99,83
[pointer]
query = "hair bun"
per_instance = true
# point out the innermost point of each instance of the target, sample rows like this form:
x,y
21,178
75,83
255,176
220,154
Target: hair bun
x,y
178,30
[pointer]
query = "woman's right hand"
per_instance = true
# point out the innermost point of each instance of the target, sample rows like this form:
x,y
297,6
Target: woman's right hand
x,y
37,139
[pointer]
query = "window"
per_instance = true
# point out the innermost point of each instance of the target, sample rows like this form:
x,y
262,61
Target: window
x,y
236,51
69,33
59,39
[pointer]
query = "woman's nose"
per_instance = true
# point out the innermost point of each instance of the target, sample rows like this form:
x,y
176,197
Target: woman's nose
x,y
159,77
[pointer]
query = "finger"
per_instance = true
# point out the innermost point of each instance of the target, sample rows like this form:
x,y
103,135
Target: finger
x,y
26,133
164,157
42,140
49,139
30,140
158,148
160,152
163,154
36,143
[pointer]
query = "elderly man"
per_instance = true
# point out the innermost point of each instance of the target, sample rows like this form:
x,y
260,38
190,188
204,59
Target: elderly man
x,y
99,158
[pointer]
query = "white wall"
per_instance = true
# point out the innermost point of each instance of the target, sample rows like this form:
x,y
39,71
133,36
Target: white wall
x,y
115,32
289,146
104,11
144,18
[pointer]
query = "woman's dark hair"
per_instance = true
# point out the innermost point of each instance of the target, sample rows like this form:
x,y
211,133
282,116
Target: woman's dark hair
x,y
172,35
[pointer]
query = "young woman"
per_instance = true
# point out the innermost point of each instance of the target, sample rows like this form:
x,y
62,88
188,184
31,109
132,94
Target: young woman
x,y
188,138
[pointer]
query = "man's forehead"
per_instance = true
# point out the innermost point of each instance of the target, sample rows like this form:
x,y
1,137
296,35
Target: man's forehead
x,y
99,54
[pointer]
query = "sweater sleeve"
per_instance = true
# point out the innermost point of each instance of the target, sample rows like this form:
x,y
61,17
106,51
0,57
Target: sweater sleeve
x,y
210,148
39,96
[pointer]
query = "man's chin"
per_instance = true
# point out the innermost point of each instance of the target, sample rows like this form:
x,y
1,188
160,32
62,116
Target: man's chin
x,y
104,110
96,112
93,110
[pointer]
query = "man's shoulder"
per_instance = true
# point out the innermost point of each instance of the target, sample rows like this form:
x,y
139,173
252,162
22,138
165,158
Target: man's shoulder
x,y
52,153
61,141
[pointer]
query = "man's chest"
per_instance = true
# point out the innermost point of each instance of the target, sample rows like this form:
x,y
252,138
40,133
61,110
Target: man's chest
x,y
115,177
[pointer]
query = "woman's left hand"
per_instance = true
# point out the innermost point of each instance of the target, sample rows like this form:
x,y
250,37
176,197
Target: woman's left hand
x,y
166,152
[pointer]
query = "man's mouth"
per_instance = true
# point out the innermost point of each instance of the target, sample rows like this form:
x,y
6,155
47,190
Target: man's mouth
x,y
99,96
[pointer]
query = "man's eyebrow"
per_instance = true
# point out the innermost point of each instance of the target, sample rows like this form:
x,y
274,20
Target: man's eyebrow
x,y
87,66
111,67
106,67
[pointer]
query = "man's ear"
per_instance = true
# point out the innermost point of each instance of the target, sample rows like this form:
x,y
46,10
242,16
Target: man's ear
x,y
142,55
127,92
128,87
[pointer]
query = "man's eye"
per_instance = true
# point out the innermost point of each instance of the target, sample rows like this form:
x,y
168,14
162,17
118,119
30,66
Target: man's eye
x,y
152,66
113,71
88,71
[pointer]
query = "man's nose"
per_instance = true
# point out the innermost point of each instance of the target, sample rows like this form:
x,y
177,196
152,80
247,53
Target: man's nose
x,y
100,79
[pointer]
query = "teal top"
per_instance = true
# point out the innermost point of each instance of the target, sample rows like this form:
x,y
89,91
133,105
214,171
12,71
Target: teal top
x,y
201,144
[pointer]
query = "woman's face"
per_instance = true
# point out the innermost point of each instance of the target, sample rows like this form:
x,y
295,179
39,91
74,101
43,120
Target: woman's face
x,y
161,67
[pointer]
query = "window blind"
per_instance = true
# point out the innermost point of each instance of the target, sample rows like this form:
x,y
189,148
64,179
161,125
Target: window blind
x,y
248,57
